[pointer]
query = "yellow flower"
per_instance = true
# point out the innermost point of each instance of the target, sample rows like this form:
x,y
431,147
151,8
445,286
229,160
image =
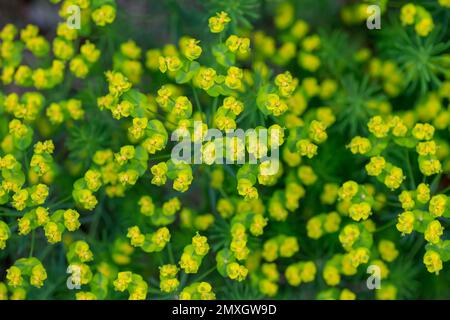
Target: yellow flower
x,y
348,190
394,178
136,237
24,225
205,78
407,200
118,83
53,232
423,131
183,181
331,275
426,148
359,145
376,166
233,77
189,48
444,3
233,104
130,50
89,52
289,247
85,296
38,276
8,33
387,250
359,256
407,14
71,220
171,63
317,131
200,244
62,49
378,127
284,15
424,26
159,172
286,84
423,193
246,189
347,295
14,277
79,67
147,206
235,43
306,175
386,292
438,205
349,235
236,271
123,280
307,148
104,15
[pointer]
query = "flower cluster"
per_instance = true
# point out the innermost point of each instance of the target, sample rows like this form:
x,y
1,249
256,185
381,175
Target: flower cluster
x,y
280,162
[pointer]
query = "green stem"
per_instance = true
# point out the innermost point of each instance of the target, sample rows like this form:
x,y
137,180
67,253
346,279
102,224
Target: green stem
x,y
154,291
213,111
387,225
394,204
223,193
207,273
25,160
169,248
445,190
435,183
410,171
57,203
163,156
418,244
10,214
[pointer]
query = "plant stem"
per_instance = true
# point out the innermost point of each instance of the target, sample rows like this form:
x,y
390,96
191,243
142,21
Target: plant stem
x,y
10,214
410,171
387,225
207,273
163,156
197,100
60,202
445,190
169,248
33,236
213,111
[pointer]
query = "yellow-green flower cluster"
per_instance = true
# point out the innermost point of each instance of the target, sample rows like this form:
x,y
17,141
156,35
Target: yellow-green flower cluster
x,y
193,254
25,272
356,200
168,278
149,242
197,291
422,213
300,272
322,224
411,14
281,246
